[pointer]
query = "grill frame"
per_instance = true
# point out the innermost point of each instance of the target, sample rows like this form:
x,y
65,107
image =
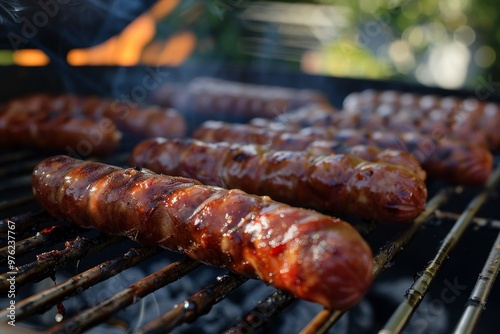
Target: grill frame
x,y
335,89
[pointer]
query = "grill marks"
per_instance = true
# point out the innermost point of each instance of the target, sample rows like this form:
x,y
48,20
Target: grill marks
x,y
341,184
250,235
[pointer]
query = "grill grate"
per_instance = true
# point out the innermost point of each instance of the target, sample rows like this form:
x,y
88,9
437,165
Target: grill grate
x,y
42,234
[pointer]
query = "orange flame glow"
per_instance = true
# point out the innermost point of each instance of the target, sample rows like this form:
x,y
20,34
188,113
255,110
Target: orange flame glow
x,y
134,44
30,57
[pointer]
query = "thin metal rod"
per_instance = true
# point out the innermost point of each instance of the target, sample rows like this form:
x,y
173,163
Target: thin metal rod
x,y
195,306
10,156
479,221
326,318
47,263
17,182
4,205
260,314
25,221
19,167
105,309
419,288
78,283
479,296
46,237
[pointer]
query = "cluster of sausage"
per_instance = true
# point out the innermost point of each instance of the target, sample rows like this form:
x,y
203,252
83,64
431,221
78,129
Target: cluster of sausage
x,y
220,196
313,256
88,125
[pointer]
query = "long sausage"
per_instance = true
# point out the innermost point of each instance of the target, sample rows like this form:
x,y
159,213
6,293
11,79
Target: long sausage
x,y
146,121
212,98
340,184
466,115
297,142
451,160
52,131
313,256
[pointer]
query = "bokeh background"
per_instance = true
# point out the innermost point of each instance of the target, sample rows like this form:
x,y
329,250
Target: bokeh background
x,y
446,43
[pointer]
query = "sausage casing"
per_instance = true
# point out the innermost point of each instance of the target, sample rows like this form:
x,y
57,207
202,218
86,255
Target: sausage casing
x,y
51,131
454,161
311,255
340,184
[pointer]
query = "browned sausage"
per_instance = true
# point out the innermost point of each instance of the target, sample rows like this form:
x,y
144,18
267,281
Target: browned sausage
x,y
311,255
296,142
340,184
145,121
211,98
369,153
46,130
389,117
451,160
465,115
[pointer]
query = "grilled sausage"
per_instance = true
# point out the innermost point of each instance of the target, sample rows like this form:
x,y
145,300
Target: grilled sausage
x,y
340,184
369,153
146,121
311,255
46,130
466,116
383,117
451,160
213,98
297,142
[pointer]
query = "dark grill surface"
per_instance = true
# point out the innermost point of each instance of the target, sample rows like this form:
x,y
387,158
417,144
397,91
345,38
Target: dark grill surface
x,y
434,275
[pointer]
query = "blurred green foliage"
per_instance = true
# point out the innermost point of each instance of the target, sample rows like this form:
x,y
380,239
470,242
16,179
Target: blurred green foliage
x,y
385,38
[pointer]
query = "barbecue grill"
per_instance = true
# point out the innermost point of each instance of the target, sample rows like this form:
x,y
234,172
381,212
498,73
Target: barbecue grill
x,y
433,275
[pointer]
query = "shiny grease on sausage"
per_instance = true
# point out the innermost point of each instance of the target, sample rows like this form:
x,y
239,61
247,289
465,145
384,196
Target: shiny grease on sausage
x,y
340,184
313,256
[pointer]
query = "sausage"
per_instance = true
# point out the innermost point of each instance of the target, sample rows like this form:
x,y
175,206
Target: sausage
x,y
340,184
454,161
310,255
369,153
33,128
296,142
145,121
212,98
404,119
466,115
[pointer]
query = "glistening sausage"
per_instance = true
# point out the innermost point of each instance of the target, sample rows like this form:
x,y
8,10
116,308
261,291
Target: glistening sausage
x,y
451,160
340,184
52,131
311,255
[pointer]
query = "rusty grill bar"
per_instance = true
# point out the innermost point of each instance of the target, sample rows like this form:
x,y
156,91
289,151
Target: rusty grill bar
x,y
40,237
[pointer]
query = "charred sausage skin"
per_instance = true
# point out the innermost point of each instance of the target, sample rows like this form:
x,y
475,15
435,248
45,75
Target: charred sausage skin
x,y
313,256
453,161
340,184
51,131
467,117
146,121
436,123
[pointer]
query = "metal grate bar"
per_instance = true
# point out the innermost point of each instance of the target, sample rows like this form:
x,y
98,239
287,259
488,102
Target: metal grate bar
x,y
105,309
46,237
47,263
479,221
195,306
260,315
418,290
481,291
326,318
78,283
10,156
19,167
17,182
4,205
25,222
